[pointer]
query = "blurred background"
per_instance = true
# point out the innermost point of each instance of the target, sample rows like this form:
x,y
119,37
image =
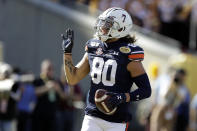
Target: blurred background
x,y
30,51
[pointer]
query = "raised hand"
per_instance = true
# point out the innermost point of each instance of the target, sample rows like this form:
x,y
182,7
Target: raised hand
x,y
67,43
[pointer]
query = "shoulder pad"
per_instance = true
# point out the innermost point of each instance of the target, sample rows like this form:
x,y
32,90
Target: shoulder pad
x,y
92,44
136,53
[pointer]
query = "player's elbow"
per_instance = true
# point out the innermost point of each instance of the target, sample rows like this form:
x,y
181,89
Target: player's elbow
x,y
148,92
71,82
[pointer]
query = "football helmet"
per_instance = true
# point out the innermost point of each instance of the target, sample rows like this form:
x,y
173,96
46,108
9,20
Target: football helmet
x,y
113,23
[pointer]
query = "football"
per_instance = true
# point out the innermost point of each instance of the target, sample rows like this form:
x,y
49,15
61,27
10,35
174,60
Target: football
x,y
100,100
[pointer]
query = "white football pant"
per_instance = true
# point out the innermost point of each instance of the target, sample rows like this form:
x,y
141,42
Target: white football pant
x,y
91,123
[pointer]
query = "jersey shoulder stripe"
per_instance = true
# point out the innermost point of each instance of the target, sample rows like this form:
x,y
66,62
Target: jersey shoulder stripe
x,y
136,54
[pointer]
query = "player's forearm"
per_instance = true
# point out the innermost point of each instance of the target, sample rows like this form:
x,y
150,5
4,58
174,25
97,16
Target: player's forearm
x,y
144,88
70,70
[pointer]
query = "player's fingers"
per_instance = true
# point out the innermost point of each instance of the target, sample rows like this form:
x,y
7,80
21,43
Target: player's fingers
x,y
72,33
67,32
109,103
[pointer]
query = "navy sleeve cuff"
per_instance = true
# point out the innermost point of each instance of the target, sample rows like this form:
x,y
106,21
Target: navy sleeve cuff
x,y
144,88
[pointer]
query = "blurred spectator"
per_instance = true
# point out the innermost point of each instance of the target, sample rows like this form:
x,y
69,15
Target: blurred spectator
x,y
84,1
193,114
161,87
137,10
166,10
181,25
182,101
173,115
104,4
193,26
65,1
25,107
9,95
119,3
47,90
26,103
152,22
144,13
194,12
66,106
93,6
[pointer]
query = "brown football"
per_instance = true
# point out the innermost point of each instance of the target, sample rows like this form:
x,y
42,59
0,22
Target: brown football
x,y
100,100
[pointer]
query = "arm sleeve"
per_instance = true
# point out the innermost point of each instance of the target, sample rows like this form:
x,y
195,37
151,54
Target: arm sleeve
x,y
144,88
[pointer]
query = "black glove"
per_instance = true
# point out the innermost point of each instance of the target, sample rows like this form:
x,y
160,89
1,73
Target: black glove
x,y
67,43
115,99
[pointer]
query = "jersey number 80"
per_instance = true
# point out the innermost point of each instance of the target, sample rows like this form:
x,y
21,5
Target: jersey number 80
x,y
103,71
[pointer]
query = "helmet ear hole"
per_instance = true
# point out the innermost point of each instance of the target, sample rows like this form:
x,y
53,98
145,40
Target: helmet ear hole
x,y
122,29
119,30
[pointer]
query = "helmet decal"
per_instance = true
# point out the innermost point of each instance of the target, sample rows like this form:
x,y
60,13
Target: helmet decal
x,y
124,17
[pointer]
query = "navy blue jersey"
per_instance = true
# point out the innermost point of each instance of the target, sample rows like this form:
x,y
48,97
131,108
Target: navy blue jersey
x,y
108,70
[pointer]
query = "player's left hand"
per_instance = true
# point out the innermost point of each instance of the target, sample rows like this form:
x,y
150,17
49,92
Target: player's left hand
x,y
115,99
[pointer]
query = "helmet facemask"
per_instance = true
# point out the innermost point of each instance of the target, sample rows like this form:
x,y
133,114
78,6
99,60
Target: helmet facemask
x,y
104,27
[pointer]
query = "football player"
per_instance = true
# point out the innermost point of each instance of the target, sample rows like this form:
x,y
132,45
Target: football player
x,y
114,64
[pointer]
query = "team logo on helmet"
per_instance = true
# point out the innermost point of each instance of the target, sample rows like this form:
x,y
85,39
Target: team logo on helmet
x,y
125,49
99,51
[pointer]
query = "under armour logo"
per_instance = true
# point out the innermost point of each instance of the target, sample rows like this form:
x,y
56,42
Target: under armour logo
x,y
119,97
137,97
67,43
